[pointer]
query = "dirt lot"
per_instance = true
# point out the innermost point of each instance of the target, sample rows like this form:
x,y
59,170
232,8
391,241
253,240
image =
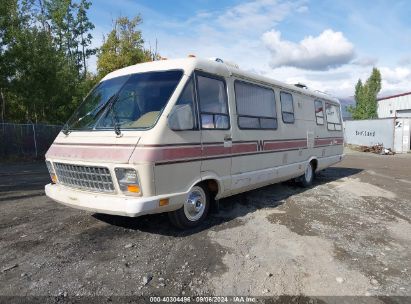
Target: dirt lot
x,y
350,234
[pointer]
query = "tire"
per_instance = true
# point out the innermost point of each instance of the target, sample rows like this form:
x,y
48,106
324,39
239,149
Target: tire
x,y
194,210
307,179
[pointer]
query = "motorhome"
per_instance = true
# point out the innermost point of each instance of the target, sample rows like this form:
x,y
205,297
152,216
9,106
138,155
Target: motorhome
x,y
176,135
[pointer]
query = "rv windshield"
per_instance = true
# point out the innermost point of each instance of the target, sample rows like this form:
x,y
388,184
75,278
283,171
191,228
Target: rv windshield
x,y
138,100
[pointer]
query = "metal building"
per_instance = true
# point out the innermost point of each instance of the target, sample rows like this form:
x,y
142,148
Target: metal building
x,y
392,129
395,106
393,133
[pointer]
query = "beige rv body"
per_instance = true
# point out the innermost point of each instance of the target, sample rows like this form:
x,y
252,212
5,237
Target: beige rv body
x,y
169,163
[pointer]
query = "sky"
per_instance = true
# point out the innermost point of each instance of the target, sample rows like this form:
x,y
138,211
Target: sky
x,y
325,44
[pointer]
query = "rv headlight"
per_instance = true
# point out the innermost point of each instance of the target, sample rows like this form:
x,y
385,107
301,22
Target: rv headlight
x,y
128,181
52,173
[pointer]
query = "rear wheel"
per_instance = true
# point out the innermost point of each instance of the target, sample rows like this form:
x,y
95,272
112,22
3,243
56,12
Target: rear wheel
x,y
194,210
307,179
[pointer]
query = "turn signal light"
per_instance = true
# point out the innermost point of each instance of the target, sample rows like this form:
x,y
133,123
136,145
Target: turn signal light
x,y
133,188
53,178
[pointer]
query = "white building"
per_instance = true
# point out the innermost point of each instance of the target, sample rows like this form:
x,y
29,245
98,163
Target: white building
x,y
392,129
395,106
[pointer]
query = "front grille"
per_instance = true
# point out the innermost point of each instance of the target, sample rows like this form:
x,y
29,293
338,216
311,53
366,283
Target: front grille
x,y
84,177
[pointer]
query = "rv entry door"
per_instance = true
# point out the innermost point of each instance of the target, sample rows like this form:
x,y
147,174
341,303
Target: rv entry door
x,y
215,128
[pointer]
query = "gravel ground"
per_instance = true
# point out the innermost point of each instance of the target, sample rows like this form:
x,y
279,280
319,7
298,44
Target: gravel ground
x,y
348,235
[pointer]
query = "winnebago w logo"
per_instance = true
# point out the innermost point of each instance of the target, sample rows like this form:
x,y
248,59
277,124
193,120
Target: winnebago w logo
x,y
260,145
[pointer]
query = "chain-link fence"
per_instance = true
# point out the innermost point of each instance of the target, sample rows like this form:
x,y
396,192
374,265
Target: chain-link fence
x,y
26,140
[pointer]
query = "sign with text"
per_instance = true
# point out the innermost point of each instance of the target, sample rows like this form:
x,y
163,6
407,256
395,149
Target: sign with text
x,y
370,132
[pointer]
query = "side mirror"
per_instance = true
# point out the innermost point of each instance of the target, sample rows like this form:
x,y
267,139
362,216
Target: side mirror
x,y
181,118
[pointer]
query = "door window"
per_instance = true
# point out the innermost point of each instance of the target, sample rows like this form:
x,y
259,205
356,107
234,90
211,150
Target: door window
x,y
187,99
213,102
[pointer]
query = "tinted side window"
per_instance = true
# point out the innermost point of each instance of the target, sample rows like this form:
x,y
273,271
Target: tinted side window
x,y
255,106
319,112
213,103
333,117
287,107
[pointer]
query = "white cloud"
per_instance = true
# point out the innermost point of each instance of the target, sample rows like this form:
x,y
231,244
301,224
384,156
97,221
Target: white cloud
x,y
366,61
340,82
395,75
257,15
232,34
405,60
395,80
248,34
328,50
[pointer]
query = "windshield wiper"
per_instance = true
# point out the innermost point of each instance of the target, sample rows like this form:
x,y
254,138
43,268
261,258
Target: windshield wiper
x,y
94,113
103,106
114,118
66,130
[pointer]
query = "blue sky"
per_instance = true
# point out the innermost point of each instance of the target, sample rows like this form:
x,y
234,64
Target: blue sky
x,y
327,45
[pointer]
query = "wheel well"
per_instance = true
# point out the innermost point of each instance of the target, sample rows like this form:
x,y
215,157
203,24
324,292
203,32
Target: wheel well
x,y
314,163
212,186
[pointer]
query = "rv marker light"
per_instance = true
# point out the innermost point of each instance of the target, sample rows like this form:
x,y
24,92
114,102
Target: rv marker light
x,y
163,202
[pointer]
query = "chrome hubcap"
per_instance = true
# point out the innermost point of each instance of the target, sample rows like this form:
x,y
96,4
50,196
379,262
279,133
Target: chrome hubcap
x,y
195,204
308,173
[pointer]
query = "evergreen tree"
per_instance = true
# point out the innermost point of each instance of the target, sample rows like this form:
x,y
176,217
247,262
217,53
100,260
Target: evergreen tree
x,y
123,47
373,85
366,97
359,110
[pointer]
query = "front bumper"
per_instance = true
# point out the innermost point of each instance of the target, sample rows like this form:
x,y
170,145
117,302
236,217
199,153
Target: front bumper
x,y
112,203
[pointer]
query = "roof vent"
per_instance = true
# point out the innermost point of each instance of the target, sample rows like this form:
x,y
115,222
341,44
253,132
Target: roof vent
x,y
301,85
227,63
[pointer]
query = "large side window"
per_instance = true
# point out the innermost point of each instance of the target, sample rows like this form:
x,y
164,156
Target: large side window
x,y
333,117
287,107
255,106
319,112
213,103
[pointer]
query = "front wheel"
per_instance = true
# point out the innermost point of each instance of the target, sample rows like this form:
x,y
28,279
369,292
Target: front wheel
x,y
307,179
194,210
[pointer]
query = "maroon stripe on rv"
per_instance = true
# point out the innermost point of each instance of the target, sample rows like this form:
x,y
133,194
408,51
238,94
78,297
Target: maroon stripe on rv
x,y
244,147
161,154
272,146
216,150
328,141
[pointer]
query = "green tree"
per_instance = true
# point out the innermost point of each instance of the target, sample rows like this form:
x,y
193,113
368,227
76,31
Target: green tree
x,y
45,81
12,18
44,45
366,97
123,47
373,86
83,28
359,111
71,30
